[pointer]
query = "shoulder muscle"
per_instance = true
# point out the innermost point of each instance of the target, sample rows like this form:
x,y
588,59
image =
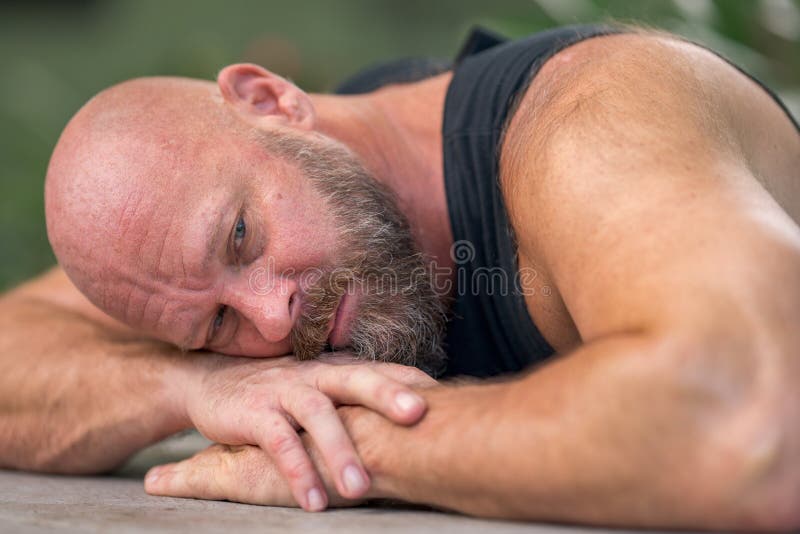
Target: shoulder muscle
x,y
626,176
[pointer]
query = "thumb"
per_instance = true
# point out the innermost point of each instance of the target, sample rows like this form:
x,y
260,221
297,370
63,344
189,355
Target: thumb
x,y
221,472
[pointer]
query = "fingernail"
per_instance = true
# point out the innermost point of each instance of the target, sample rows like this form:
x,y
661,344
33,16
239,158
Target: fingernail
x,y
407,402
316,501
354,480
153,475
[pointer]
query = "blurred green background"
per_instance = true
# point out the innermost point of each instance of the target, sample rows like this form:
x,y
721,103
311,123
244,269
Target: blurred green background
x,y
56,54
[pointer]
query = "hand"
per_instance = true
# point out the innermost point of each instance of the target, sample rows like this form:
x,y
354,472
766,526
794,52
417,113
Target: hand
x,y
242,401
241,473
247,474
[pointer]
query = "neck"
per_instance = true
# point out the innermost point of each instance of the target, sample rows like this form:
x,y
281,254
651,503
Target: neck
x,y
396,133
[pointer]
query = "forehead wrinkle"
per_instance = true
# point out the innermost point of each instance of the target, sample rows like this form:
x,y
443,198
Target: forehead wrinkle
x,y
200,241
175,315
185,313
140,320
160,304
130,281
154,269
152,255
174,271
159,252
127,212
177,307
185,184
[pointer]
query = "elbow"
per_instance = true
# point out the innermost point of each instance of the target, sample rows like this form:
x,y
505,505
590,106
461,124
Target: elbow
x,y
746,462
752,484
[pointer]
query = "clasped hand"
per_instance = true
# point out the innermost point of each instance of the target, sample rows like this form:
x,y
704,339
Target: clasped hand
x,y
264,402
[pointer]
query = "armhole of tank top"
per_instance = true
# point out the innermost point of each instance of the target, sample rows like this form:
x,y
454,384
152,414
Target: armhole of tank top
x,y
537,65
516,99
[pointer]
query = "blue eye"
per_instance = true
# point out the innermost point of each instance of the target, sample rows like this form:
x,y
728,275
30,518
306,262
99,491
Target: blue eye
x,y
239,232
219,319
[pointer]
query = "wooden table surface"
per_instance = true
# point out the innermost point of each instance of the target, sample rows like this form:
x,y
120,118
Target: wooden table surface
x,y
32,502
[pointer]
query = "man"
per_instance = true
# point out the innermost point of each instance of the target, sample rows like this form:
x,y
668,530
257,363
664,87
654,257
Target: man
x,y
642,192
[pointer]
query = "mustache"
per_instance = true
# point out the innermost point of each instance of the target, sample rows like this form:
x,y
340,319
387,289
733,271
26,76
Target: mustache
x,y
400,320
309,337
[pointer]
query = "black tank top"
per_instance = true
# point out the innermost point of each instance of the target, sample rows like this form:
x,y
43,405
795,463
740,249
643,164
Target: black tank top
x,y
490,331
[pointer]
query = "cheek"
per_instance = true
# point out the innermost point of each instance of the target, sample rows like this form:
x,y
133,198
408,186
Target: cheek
x,y
303,232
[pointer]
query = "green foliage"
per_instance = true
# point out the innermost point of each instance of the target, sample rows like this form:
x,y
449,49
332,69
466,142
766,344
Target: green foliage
x,y
56,55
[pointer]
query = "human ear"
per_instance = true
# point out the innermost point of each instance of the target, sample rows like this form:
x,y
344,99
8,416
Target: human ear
x,y
260,96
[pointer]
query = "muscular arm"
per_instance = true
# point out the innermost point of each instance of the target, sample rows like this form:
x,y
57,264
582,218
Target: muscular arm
x,y
633,188
631,191
79,393
605,436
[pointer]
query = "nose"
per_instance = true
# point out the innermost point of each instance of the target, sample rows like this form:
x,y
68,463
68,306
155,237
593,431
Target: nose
x,y
271,305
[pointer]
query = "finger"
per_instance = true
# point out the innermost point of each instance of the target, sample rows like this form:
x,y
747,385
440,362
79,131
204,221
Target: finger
x,y
317,415
409,375
242,474
198,482
281,441
361,384
157,482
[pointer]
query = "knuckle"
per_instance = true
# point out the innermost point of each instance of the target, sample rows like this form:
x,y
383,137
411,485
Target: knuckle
x,y
412,375
194,480
257,401
371,375
215,449
310,402
346,376
315,404
282,443
398,370
227,463
320,381
241,470
296,470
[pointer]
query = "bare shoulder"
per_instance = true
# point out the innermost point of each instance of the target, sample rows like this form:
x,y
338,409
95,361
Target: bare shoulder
x,y
644,99
640,160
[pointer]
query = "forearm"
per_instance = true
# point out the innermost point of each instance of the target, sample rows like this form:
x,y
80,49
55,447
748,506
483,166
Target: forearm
x,y
73,397
615,434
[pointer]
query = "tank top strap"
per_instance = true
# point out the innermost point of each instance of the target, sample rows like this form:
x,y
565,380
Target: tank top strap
x,y
491,331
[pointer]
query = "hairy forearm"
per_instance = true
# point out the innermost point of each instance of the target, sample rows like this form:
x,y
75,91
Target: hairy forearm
x,y
75,397
626,432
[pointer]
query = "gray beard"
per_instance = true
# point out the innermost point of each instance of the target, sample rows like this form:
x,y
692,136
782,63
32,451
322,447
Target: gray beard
x,y
400,317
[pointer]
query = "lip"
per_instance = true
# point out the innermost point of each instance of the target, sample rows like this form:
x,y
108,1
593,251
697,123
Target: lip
x,y
338,335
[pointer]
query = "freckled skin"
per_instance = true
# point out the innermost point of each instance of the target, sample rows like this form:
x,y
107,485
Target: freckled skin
x,y
678,280
157,219
164,206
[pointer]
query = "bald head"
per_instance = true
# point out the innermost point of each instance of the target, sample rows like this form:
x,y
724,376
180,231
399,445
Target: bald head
x,y
192,211
134,150
114,161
